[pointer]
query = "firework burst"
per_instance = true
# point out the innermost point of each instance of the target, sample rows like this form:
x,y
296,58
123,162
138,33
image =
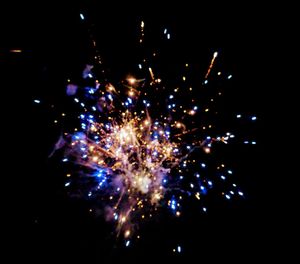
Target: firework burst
x,y
136,158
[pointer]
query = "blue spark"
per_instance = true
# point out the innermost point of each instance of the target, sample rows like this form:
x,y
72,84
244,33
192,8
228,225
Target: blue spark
x,y
37,101
99,174
173,204
82,16
203,190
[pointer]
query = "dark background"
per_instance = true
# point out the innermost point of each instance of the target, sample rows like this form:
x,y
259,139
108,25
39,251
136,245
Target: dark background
x,y
44,222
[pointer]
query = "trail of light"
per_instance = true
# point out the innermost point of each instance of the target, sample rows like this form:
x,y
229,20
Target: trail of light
x,y
211,64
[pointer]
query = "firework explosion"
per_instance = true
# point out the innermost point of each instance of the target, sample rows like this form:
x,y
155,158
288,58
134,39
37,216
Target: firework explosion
x,y
135,153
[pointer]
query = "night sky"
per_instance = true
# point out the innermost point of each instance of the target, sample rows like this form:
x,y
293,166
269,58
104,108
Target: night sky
x,y
46,223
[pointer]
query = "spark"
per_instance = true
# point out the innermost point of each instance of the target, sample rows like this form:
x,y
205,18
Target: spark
x,y
132,81
15,50
151,73
179,249
207,150
211,64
